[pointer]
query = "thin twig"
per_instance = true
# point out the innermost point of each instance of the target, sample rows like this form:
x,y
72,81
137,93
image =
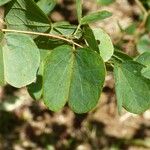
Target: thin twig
x,y
43,34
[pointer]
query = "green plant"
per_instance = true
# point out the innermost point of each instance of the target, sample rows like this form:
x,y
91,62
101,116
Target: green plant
x,y
60,62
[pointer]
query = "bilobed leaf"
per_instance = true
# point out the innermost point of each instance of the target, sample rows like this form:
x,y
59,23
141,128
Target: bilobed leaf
x,y
143,44
144,59
76,76
79,9
36,89
96,16
105,44
21,59
3,2
46,5
132,89
26,15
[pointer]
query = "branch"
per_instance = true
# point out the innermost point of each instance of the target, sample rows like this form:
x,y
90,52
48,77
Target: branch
x,y
43,34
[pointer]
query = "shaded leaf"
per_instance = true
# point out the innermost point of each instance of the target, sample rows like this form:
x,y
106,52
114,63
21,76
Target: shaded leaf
x,y
3,2
90,38
26,15
36,89
148,23
120,56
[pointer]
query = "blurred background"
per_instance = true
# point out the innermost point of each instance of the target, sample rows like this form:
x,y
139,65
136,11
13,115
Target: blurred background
x,y
26,124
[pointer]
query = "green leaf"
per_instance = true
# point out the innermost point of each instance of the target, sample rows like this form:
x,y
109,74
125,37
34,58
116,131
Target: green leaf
x,y
120,56
21,59
26,15
3,2
79,9
105,44
131,29
65,29
46,5
90,38
148,23
105,2
76,76
36,89
96,16
132,89
2,81
143,44
145,60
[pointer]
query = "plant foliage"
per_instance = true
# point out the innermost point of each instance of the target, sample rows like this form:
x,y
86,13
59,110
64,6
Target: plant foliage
x,y
62,63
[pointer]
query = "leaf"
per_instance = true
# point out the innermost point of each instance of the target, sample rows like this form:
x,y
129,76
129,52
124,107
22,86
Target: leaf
x,y
96,16
21,59
26,15
143,44
79,9
3,2
76,76
119,56
105,2
65,29
105,44
36,89
46,5
144,59
148,23
132,89
131,29
2,81
90,38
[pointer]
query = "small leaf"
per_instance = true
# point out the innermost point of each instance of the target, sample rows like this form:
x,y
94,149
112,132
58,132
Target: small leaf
x,y
131,29
144,59
76,76
79,9
46,5
36,89
132,89
105,44
96,16
21,59
105,2
3,2
143,44
26,15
